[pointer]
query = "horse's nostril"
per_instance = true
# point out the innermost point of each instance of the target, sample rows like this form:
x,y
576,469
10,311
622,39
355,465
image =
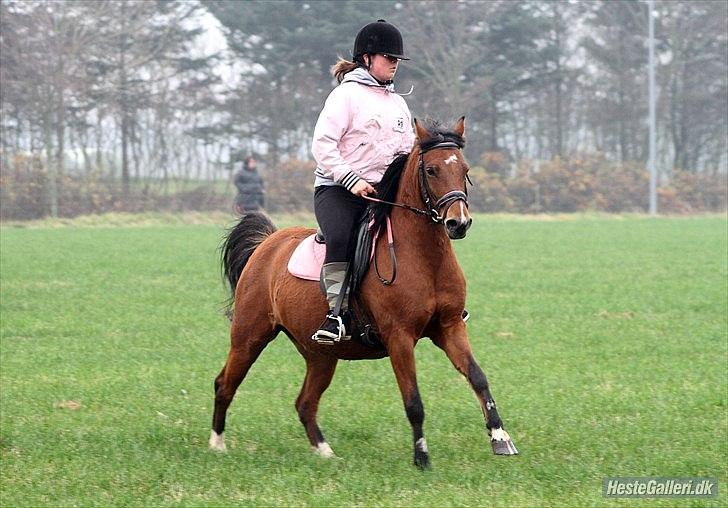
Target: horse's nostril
x,y
451,224
470,223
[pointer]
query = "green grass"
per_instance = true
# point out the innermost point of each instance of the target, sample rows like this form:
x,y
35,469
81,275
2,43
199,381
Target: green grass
x,y
604,339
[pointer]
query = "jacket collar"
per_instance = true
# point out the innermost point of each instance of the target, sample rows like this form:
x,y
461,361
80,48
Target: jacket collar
x,y
360,75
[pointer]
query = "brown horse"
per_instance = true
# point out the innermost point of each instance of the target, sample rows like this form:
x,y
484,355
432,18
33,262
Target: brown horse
x,y
427,299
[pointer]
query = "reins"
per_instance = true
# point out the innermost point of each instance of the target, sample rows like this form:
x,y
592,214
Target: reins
x,y
401,205
432,210
392,256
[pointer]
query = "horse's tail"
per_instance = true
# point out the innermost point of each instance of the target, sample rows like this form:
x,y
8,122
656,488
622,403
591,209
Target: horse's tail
x,y
239,244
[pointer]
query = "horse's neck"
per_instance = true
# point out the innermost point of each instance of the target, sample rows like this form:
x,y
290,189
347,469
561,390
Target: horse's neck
x,y
420,230
419,236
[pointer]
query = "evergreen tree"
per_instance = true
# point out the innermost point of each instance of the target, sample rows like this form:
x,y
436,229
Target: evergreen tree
x,y
694,42
287,48
616,43
144,46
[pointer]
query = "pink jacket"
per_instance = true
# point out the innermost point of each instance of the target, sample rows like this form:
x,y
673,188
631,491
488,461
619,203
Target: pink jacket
x,y
360,130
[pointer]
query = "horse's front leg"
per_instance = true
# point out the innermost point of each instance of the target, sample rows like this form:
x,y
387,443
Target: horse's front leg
x,y
402,357
454,341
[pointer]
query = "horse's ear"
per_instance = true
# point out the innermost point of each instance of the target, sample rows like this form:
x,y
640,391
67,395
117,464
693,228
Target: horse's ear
x,y
422,133
459,127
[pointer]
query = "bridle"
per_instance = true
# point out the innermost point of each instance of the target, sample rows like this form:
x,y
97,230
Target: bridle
x,y
449,198
432,206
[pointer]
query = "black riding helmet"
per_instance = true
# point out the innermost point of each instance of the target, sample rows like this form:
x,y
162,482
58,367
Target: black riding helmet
x,y
379,37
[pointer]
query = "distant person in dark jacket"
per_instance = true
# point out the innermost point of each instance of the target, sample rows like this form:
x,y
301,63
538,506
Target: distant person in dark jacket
x,y
250,187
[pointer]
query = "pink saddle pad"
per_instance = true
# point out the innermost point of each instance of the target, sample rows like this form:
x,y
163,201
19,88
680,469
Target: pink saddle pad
x,y
308,258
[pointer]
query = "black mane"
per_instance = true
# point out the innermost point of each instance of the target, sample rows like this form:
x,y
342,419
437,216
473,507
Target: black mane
x,y
388,186
387,191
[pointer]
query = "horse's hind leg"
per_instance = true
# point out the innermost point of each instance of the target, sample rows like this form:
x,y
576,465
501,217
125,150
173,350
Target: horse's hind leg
x,y
319,372
455,343
246,346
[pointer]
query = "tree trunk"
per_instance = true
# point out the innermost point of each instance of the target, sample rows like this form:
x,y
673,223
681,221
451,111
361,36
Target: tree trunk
x,y
125,155
135,151
623,155
559,79
680,133
60,139
124,109
52,195
493,143
99,144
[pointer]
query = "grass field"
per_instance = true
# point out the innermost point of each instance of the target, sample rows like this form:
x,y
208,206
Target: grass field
x,y
604,339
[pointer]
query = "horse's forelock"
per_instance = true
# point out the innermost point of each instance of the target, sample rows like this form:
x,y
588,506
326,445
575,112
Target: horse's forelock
x,y
439,134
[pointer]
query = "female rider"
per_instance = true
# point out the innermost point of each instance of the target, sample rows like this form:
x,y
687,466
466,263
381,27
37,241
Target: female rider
x,y
364,124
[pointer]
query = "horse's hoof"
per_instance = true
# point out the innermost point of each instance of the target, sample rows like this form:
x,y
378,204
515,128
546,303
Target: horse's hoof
x,y
422,461
422,457
324,450
217,442
501,443
504,447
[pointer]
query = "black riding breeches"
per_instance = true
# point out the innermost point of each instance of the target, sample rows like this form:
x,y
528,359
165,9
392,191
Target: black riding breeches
x,y
337,212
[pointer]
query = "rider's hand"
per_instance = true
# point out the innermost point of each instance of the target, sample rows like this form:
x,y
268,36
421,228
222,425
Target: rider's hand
x,y
362,188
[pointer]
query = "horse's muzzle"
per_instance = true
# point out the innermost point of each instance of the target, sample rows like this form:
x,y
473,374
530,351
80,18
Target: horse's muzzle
x,y
457,228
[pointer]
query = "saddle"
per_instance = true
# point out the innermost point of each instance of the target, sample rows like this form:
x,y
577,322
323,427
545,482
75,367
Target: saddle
x,y
307,262
308,258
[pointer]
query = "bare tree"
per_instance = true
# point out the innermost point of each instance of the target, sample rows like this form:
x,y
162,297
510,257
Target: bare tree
x,y
144,44
695,40
43,48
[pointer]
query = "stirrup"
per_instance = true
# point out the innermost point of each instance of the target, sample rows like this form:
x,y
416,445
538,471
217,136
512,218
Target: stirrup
x,y
328,338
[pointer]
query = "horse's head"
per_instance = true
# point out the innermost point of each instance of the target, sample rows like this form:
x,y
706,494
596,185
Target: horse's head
x,y
443,173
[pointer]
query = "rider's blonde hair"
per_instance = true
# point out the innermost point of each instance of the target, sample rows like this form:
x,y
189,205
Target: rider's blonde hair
x,y
342,67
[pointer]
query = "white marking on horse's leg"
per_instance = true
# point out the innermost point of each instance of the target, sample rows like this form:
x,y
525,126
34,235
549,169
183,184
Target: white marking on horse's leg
x,y
324,450
421,445
217,442
499,435
451,159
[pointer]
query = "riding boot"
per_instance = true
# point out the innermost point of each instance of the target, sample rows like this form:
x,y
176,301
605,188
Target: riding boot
x,y
337,324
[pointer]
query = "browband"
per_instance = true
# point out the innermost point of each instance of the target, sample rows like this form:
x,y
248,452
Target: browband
x,y
442,144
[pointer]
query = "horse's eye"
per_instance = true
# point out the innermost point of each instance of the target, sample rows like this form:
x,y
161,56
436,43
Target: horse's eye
x,y
431,171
